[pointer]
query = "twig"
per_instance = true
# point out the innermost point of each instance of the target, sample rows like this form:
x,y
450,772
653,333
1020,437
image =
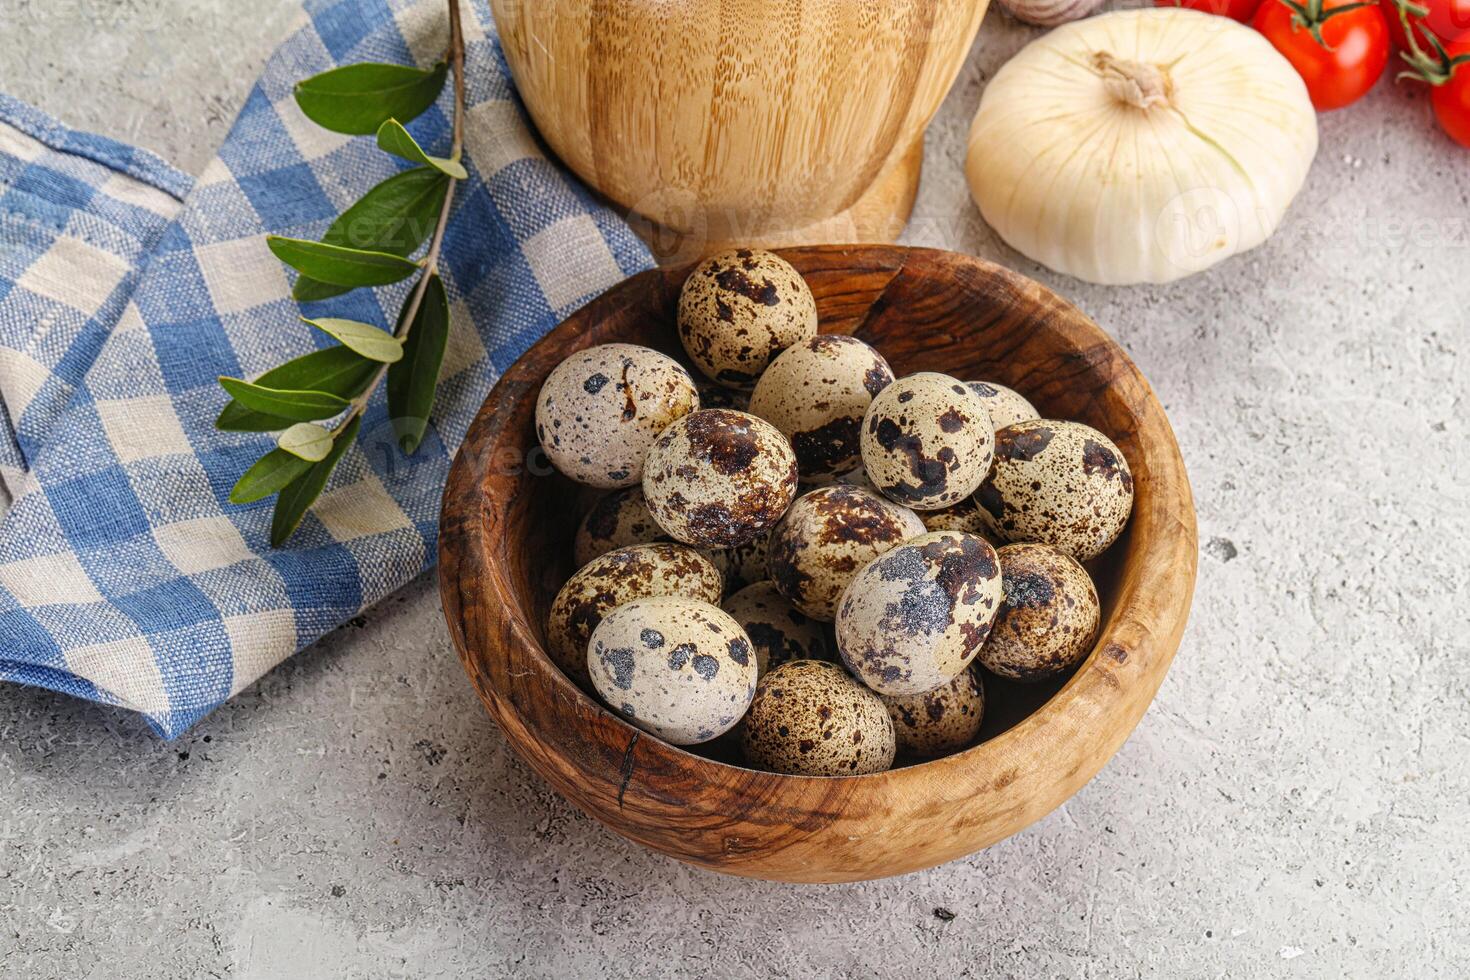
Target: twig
x,y
431,257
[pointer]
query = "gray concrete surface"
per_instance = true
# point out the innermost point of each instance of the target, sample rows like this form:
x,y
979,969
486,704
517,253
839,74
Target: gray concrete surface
x,y
1293,805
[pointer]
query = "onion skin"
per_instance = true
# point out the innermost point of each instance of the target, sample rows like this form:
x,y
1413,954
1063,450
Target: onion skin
x,y
1140,145
1049,13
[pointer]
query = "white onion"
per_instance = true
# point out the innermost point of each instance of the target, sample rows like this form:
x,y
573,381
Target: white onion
x,y
1141,145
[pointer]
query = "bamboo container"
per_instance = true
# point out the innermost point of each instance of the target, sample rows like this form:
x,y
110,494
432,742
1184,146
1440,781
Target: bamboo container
x,y
759,122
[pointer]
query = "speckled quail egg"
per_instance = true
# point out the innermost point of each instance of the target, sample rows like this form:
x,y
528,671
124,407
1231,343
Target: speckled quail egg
x,y
712,395
778,631
615,578
963,516
826,536
716,478
619,519
915,617
742,565
938,722
677,667
816,393
855,477
1048,618
1060,483
1005,405
810,718
741,308
927,441
601,409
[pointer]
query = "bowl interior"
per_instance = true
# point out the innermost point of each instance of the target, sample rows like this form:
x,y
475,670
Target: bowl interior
x,y
1002,336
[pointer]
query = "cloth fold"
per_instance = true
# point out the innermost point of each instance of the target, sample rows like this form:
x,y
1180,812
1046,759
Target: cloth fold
x,y
126,288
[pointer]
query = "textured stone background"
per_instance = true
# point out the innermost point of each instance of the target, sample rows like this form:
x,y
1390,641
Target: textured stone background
x,y
1294,804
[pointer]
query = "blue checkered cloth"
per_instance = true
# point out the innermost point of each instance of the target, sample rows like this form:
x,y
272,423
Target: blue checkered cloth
x,y
127,287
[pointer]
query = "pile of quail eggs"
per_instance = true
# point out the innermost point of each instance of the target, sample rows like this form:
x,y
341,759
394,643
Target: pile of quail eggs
x,y
805,556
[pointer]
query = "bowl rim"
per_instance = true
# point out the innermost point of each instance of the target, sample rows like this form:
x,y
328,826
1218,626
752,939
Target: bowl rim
x,y
1136,640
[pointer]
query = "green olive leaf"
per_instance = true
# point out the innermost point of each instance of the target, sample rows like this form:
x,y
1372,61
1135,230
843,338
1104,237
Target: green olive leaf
x,y
396,216
356,99
374,343
411,381
341,266
301,492
307,440
336,370
368,245
297,406
393,138
267,475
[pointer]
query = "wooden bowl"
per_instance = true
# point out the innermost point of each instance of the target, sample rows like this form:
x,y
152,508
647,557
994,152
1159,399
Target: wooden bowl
x,y
763,121
505,546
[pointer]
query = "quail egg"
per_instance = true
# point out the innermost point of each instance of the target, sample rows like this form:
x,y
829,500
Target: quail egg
x,y
914,617
811,718
615,578
677,667
1060,483
713,395
927,441
742,565
856,477
601,409
938,722
741,308
617,520
826,536
816,393
717,478
1048,618
963,516
1005,405
778,630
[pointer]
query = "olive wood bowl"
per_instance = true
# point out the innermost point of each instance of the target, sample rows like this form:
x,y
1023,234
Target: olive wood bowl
x,y
505,547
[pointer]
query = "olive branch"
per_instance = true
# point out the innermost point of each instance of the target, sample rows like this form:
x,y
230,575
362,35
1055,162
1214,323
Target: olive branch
x,y
316,401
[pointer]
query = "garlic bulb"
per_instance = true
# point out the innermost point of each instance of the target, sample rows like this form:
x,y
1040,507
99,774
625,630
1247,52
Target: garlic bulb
x,y
1049,13
1141,145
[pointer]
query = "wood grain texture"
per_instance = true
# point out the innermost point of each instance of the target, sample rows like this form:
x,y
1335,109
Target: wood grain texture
x,y
505,545
763,122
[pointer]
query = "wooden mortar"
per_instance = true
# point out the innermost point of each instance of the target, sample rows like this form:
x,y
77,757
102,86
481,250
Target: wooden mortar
x,y
770,122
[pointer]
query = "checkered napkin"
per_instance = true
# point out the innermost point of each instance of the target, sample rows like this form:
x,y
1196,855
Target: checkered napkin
x,y
126,288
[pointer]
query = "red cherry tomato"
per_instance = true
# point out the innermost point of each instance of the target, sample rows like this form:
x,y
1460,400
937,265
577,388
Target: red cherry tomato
x,y
1445,19
1451,98
1445,67
1341,59
1240,10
